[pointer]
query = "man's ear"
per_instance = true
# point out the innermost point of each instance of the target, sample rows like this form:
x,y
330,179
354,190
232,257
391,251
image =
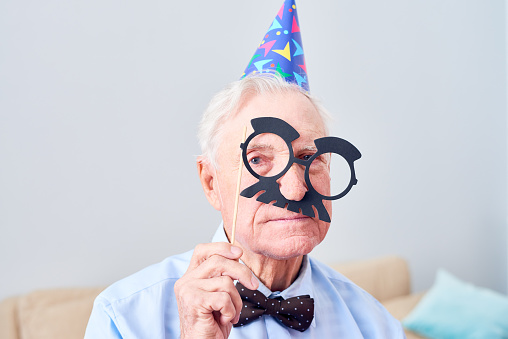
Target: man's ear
x,y
207,175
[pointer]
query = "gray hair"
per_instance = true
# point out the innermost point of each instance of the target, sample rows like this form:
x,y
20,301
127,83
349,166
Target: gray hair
x,y
227,102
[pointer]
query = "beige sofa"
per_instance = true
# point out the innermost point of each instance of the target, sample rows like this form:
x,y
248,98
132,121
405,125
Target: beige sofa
x,y
63,313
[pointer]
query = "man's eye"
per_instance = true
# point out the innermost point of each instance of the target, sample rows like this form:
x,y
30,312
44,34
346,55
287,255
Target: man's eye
x,y
307,157
255,160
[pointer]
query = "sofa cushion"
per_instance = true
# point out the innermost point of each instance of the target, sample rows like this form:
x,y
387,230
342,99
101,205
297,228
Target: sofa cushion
x,y
61,313
8,318
401,306
384,278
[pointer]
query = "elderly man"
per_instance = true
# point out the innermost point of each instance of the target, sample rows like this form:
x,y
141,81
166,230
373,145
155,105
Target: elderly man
x,y
264,285
193,295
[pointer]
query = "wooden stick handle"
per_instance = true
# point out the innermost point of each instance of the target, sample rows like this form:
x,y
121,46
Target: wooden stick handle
x,y
240,167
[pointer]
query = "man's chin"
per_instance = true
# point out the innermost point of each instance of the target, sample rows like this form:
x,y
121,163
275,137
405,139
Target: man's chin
x,y
289,248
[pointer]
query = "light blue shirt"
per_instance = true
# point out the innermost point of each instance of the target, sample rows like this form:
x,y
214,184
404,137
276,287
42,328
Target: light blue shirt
x,y
143,306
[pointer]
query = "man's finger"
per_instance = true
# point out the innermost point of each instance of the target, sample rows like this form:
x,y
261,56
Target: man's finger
x,y
204,251
222,302
217,266
225,284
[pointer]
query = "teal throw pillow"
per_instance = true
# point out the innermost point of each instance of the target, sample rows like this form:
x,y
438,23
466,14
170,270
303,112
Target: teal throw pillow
x,y
456,309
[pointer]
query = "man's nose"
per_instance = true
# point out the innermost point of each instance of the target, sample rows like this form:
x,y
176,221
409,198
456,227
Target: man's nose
x,y
292,184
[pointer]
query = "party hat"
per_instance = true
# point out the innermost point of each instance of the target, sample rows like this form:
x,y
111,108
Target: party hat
x,y
281,49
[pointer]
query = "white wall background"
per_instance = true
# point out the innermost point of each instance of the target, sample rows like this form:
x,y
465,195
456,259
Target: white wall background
x,y
99,103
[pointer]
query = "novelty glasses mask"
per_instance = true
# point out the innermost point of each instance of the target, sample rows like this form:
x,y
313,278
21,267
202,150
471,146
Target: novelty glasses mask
x,y
268,154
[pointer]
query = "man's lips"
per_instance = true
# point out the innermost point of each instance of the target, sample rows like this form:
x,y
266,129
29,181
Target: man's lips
x,y
273,213
290,218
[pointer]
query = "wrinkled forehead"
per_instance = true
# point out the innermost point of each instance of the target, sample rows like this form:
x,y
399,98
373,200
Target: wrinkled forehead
x,y
294,107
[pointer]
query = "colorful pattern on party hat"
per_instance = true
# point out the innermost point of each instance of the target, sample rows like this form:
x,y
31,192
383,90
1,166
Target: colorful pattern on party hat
x,y
281,49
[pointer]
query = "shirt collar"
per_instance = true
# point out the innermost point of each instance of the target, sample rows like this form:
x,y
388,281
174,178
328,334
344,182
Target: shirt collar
x,y
220,234
301,286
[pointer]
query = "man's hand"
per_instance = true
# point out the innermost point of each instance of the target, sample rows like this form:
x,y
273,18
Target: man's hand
x,y
208,302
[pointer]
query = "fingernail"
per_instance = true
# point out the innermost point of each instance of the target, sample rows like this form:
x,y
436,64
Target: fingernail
x,y
236,250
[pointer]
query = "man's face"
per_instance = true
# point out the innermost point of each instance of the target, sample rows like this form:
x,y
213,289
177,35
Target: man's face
x,y
262,228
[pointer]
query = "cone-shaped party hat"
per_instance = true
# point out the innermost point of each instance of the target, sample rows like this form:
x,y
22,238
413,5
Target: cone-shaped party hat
x,y
281,49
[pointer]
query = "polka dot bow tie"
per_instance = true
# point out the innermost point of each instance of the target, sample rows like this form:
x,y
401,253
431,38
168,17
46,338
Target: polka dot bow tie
x,y
296,313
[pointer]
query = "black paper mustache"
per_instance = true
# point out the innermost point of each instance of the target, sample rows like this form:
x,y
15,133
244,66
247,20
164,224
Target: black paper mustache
x,y
268,184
